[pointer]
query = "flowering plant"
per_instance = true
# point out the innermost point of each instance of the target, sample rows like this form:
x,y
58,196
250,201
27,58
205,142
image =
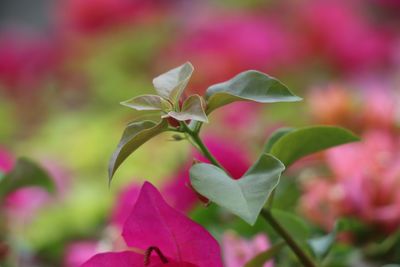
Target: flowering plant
x,y
247,197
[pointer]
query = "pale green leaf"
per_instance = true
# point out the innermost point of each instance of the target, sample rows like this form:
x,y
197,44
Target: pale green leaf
x,y
135,134
308,140
192,109
25,173
244,197
171,84
148,102
248,86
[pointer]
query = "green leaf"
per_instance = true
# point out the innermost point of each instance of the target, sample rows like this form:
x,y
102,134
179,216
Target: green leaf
x,y
296,227
248,86
148,102
275,136
135,134
323,244
261,258
308,140
171,84
25,173
192,109
244,197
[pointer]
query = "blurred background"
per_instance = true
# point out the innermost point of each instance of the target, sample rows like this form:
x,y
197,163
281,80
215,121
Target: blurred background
x,y
66,64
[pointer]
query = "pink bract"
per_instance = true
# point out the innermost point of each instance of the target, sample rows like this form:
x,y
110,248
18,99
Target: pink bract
x,y
156,227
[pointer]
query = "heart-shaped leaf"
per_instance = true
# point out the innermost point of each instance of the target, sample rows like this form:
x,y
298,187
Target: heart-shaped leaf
x,y
192,109
248,86
308,140
148,102
244,197
135,134
261,258
25,173
171,84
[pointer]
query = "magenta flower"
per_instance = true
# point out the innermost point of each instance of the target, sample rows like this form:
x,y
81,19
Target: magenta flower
x,y
159,235
27,62
92,16
221,45
335,28
6,161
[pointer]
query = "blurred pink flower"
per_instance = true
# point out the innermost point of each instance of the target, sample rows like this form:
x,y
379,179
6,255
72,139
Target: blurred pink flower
x,y
381,108
6,161
222,45
238,251
332,104
27,62
160,235
91,16
79,252
366,183
339,32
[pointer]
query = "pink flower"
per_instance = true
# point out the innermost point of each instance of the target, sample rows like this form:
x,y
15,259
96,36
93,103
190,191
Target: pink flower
x,y
340,32
92,16
366,183
222,45
79,252
158,235
238,251
27,62
6,161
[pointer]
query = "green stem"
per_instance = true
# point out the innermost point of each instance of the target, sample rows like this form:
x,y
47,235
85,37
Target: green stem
x,y
201,146
301,255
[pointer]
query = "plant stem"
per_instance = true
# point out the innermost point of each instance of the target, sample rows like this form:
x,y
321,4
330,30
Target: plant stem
x,y
301,255
201,146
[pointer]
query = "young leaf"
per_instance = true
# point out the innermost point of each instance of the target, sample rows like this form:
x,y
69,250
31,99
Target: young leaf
x,y
248,86
135,134
261,258
192,109
25,173
308,140
171,84
244,197
148,102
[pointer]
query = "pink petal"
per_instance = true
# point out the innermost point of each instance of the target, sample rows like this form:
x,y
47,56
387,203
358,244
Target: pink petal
x,y
114,259
126,259
154,223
